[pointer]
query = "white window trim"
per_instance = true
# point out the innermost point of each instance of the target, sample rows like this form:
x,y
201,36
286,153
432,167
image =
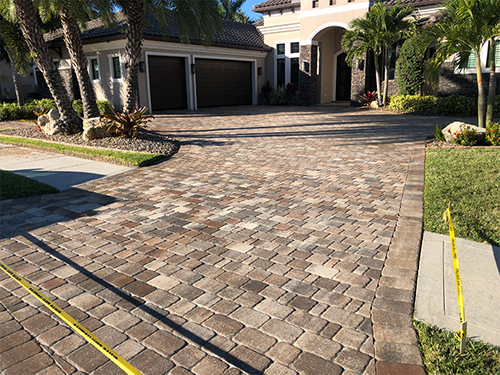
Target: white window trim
x,y
89,65
111,69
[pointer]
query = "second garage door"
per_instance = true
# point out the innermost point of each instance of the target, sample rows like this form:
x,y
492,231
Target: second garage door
x,y
223,82
167,82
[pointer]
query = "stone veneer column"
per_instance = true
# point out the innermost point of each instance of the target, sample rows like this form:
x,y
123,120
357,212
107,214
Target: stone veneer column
x,y
358,80
308,82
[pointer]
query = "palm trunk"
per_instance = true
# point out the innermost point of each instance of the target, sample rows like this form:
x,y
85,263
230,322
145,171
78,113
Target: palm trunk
x,y
28,22
480,93
78,61
492,87
18,85
377,79
386,74
133,46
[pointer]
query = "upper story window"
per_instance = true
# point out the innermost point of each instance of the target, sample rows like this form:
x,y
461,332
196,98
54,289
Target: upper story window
x,y
294,47
280,49
333,2
94,69
315,3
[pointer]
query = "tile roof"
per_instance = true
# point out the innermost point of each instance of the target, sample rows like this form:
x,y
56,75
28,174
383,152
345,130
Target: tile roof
x,y
415,3
233,33
274,4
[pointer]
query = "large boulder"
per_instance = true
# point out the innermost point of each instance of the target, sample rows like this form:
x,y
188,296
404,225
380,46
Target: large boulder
x,y
53,127
51,123
457,127
94,128
54,114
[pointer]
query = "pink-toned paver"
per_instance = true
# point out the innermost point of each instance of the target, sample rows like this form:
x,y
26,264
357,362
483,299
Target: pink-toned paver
x,y
277,241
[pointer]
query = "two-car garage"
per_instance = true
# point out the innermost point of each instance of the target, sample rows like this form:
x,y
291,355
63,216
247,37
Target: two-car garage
x,y
211,82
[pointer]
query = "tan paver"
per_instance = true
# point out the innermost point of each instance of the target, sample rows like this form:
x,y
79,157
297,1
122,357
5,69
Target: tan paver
x,y
258,248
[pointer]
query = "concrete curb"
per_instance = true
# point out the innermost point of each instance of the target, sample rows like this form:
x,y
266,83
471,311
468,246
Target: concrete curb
x,y
395,340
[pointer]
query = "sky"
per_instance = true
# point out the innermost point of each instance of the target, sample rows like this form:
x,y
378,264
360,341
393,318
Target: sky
x,y
247,8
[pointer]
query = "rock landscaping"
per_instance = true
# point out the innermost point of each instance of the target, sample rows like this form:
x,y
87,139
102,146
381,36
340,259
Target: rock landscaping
x,y
148,141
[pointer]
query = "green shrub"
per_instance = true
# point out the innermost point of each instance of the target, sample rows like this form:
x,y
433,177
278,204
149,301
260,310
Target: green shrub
x,y
78,107
105,107
445,106
12,111
127,125
465,137
493,134
280,97
410,67
438,133
266,91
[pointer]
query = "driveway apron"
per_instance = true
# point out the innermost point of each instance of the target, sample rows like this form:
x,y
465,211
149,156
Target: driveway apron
x,y
277,241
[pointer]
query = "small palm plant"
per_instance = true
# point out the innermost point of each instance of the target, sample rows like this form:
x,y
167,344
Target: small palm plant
x,y
126,124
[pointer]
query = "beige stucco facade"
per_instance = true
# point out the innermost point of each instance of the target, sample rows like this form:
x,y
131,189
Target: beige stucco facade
x,y
322,27
113,90
7,91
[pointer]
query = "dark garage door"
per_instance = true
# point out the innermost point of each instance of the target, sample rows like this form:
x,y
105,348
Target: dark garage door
x,y
223,82
167,82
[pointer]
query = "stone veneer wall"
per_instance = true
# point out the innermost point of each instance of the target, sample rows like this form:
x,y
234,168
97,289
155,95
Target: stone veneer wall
x,y
308,81
459,84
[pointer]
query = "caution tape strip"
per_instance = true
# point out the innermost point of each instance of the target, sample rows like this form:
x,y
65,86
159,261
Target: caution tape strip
x,y
87,335
458,280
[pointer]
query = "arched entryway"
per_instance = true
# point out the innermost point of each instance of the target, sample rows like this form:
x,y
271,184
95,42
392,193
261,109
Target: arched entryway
x,y
330,76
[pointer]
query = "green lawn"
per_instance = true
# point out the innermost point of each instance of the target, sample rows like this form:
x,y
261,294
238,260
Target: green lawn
x,y
441,353
15,186
470,178
120,157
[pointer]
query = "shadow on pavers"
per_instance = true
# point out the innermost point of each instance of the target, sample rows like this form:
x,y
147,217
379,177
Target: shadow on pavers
x,y
80,203
147,309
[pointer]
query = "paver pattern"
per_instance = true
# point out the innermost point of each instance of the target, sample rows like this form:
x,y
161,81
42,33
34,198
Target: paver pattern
x,y
261,247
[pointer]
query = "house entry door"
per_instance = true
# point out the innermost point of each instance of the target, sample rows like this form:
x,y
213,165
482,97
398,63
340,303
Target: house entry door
x,y
343,89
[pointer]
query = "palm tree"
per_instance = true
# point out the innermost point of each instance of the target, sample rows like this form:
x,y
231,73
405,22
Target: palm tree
x,y
466,28
492,87
377,32
26,15
191,17
14,50
231,10
73,14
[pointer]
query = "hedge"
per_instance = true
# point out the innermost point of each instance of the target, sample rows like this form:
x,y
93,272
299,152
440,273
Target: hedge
x,y
12,111
447,105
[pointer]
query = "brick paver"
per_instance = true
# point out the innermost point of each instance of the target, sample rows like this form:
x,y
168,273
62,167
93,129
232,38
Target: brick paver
x,y
277,241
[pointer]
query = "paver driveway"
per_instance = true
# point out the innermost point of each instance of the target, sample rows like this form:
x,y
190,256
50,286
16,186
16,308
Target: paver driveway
x,y
262,246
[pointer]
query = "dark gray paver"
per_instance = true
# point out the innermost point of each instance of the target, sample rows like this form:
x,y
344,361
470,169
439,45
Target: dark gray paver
x,y
272,233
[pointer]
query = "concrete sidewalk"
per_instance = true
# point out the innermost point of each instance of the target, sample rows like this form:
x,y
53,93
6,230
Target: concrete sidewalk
x,y
436,299
57,170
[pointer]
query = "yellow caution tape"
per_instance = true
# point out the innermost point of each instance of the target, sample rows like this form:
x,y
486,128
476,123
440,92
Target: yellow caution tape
x,y
87,335
461,306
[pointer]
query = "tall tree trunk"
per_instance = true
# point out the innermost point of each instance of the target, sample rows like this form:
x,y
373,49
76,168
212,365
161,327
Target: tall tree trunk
x,y
492,87
133,46
386,74
377,79
78,61
18,84
28,22
481,104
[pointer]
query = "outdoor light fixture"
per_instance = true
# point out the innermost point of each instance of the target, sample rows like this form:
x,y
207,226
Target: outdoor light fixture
x,y
142,66
259,70
193,69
